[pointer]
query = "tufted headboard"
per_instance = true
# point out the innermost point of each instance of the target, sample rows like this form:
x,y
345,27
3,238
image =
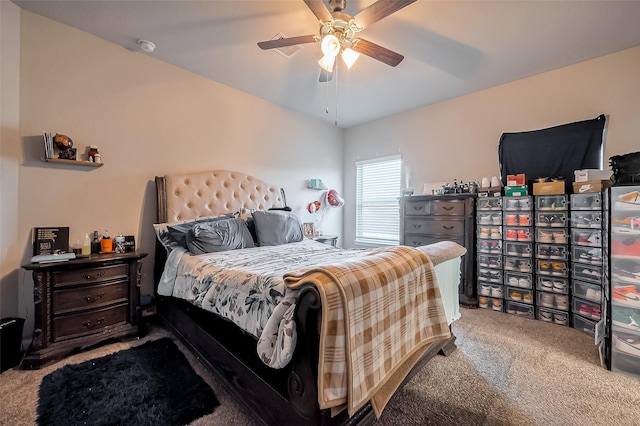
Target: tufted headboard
x,y
191,196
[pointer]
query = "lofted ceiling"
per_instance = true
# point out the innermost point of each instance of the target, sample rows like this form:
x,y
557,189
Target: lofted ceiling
x,y
451,48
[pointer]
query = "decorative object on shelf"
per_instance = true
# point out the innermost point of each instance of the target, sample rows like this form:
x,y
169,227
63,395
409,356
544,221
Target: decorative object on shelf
x,y
50,240
91,153
316,184
64,144
106,243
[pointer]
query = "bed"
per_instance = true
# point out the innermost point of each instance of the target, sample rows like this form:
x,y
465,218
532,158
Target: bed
x,y
294,391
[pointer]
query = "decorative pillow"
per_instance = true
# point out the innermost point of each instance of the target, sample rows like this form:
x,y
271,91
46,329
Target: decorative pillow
x,y
178,232
275,227
220,235
162,233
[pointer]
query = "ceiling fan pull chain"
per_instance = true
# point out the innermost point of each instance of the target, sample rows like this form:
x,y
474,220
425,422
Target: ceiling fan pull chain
x,y
335,123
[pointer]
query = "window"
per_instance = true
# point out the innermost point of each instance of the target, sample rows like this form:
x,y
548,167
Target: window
x,y
377,209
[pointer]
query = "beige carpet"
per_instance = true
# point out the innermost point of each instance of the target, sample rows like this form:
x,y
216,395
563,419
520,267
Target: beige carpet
x,y
507,371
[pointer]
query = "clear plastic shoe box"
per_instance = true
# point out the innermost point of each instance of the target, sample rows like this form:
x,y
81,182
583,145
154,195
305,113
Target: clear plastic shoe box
x,y
548,219
551,315
588,273
552,236
490,275
587,255
552,202
518,279
490,246
555,268
519,309
587,309
489,218
586,237
516,233
586,201
490,303
552,251
585,325
581,219
489,232
495,291
516,204
519,295
489,204
520,249
517,264
517,218
552,300
552,284
587,291
492,261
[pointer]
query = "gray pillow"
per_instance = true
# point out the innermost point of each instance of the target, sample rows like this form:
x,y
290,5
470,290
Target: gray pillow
x,y
178,233
220,235
277,227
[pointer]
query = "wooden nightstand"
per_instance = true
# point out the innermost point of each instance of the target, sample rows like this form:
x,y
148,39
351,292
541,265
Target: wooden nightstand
x,y
332,240
82,302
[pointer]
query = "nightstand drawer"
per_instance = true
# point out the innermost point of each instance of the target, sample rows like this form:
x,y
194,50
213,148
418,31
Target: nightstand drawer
x,y
90,275
66,327
444,227
89,297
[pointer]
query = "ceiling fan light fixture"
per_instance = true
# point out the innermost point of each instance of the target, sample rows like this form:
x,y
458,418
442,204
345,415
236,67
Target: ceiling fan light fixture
x,y
350,56
326,63
330,45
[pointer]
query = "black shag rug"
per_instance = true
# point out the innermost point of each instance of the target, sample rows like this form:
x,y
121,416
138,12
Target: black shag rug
x,y
151,384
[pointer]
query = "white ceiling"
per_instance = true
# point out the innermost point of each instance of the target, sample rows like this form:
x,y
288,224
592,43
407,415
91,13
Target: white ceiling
x,y
451,48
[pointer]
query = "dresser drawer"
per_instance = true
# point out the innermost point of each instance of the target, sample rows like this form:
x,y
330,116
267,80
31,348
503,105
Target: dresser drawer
x,y
417,208
443,227
448,207
68,326
89,297
90,275
413,240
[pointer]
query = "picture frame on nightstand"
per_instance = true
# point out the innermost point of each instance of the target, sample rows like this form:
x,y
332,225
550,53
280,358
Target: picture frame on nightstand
x,y
308,229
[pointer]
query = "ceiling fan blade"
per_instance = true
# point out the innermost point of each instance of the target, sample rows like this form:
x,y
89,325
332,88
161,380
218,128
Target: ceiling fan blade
x,y
289,41
379,10
319,9
375,51
325,76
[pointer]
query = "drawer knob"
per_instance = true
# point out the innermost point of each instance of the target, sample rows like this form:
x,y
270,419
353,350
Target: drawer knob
x,y
90,299
93,277
417,208
447,207
417,226
90,324
448,227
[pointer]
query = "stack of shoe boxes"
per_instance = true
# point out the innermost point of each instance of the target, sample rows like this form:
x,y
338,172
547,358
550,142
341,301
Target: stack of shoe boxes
x,y
552,258
518,249
587,259
490,278
625,279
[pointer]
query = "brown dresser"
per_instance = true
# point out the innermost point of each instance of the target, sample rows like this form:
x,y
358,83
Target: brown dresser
x,y
427,219
82,302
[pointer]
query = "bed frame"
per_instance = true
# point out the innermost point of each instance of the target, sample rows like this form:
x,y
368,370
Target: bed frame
x,y
282,396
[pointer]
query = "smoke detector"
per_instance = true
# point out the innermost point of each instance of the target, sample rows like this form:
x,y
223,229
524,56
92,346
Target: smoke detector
x,y
146,46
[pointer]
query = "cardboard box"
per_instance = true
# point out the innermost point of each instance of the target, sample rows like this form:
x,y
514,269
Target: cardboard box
x,y
591,186
588,175
516,190
548,188
516,180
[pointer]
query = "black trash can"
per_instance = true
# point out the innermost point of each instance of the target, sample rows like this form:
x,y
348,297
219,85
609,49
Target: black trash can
x,y
10,342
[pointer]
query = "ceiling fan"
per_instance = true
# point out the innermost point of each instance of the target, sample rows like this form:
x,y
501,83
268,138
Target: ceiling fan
x,y
339,34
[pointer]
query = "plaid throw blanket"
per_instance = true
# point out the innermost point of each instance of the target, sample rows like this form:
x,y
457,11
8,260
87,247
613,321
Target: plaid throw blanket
x,y
380,312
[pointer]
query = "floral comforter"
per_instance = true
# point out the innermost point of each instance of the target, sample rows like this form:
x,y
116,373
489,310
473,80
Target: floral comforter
x,y
247,287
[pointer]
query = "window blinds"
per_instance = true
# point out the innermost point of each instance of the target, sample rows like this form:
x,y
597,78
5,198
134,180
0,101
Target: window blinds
x,y
377,209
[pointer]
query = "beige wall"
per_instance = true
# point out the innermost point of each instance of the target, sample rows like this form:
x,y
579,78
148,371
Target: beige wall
x,y
458,139
148,118
10,254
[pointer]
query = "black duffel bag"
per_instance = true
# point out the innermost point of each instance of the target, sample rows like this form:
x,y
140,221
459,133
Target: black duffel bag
x,y
626,168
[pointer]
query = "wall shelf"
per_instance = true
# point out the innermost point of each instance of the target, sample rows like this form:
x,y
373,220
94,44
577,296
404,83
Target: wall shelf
x,y
71,162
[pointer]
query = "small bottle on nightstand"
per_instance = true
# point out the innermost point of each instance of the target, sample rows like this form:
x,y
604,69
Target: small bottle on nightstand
x,y
86,245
